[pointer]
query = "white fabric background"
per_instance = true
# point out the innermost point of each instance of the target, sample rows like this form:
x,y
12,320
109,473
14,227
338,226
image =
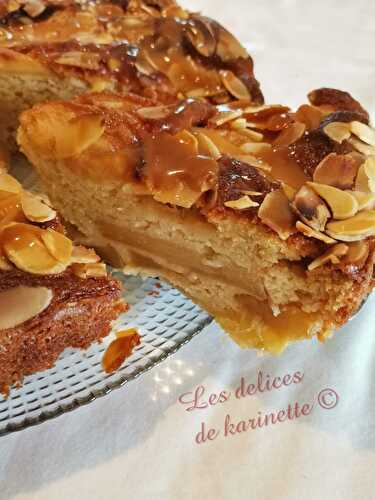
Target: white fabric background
x,y
138,442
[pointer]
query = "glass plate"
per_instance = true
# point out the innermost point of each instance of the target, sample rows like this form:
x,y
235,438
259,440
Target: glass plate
x,y
165,319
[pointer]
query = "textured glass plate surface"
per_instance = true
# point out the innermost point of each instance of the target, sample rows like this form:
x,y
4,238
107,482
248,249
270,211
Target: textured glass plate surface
x,y
165,319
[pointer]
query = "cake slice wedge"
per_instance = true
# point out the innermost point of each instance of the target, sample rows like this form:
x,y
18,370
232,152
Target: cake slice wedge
x,y
53,49
53,294
262,215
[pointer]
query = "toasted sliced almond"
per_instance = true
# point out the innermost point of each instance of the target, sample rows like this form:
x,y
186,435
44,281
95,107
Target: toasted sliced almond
x,y
23,246
252,193
342,204
241,203
256,148
9,184
207,147
290,134
357,253
35,210
364,200
239,123
85,60
365,180
154,112
362,147
58,245
311,208
363,132
234,85
254,161
254,136
201,36
332,255
21,303
83,255
224,117
359,227
336,170
95,270
118,350
275,212
228,47
311,233
309,115
338,131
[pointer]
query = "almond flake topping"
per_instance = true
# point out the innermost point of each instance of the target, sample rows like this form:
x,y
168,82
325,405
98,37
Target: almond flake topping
x,y
338,131
332,255
241,203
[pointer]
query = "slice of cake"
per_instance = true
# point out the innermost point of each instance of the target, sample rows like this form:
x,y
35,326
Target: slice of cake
x,y
53,295
53,49
262,215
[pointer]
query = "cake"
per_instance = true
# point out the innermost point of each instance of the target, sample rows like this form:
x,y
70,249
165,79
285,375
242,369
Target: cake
x,y
53,294
262,215
57,49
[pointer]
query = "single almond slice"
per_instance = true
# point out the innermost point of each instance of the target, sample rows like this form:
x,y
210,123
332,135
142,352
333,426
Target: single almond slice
x,y
256,148
120,349
200,34
224,117
35,210
336,170
359,227
363,132
154,112
84,60
342,204
23,246
94,270
338,131
290,134
311,208
332,255
9,184
357,253
206,146
311,116
58,245
234,85
69,135
311,233
21,303
238,123
364,200
83,255
241,203
362,147
365,180
275,212
253,135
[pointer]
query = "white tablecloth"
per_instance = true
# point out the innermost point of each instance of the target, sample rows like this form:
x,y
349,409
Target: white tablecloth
x,y
141,442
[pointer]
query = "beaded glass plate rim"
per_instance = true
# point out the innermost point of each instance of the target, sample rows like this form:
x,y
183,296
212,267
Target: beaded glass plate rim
x,y
94,394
